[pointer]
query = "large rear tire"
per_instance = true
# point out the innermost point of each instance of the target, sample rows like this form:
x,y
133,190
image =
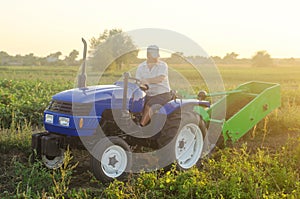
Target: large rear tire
x,y
188,145
185,132
111,159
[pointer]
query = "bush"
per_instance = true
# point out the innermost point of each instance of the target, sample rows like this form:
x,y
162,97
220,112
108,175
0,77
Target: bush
x,y
232,173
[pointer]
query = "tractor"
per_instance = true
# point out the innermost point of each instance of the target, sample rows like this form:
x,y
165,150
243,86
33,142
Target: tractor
x,y
103,120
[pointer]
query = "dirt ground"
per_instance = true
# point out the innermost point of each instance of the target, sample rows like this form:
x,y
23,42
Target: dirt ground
x,y
270,141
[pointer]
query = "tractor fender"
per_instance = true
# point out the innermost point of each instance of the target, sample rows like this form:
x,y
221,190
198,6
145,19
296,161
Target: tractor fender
x,y
176,104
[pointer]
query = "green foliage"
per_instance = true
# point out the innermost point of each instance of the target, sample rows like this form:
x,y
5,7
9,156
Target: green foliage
x,y
26,100
21,178
112,49
61,178
34,180
17,137
239,174
71,59
245,172
231,173
262,59
230,57
32,60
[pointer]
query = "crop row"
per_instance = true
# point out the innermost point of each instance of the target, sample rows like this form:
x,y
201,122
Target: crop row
x,y
25,100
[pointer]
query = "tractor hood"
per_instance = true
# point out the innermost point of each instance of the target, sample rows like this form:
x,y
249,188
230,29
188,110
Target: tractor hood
x,y
89,94
103,93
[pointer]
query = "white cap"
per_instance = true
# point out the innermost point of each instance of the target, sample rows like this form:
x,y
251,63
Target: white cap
x,y
153,50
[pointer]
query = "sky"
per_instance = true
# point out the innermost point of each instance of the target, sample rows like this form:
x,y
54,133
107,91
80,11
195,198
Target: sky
x,y
219,27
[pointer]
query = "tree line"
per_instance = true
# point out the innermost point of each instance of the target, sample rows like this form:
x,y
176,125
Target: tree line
x,y
116,49
53,59
260,59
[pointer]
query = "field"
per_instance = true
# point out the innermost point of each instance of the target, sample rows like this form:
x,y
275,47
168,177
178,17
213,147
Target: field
x,y
263,164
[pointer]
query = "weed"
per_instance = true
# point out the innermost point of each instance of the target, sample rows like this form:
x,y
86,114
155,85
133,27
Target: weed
x,y
62,176
31,180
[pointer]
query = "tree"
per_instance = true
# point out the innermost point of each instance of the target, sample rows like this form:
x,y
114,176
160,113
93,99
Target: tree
x,y
262,59
53,59
4,58
216,59
29,60
230,57
71,59
176,58
112,48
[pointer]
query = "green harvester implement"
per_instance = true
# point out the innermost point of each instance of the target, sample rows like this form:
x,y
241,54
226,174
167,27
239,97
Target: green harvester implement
x,y
246,105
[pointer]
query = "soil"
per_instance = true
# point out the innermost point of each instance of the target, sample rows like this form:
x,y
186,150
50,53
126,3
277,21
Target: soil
x,y
271,141
232,109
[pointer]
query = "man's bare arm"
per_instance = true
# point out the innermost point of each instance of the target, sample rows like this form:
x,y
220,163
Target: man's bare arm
x,y
153,80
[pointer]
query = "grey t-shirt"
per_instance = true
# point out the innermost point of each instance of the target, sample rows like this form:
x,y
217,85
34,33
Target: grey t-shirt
x,y
160,68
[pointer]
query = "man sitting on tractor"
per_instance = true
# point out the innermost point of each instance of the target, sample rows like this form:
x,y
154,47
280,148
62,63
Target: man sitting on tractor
x,y
154,73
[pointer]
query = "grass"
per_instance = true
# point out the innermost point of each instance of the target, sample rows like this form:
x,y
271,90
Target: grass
x,y
231,173
263,164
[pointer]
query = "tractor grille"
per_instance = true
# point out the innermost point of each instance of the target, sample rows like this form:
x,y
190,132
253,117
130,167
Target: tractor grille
x,y
79,109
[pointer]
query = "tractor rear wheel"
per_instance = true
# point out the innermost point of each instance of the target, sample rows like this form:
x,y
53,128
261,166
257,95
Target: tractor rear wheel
x,y
188,144
187,130
111,159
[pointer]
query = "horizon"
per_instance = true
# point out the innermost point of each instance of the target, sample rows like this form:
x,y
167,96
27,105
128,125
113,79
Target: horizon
x,y
141,55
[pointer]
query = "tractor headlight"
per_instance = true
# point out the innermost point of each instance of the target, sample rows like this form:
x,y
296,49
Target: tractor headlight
x,y
49,118
64,121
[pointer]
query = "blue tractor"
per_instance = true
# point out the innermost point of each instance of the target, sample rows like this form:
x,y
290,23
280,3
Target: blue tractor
x,y
103,119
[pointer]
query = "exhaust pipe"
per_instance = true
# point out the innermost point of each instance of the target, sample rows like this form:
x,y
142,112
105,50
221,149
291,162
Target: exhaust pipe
x,y
81,81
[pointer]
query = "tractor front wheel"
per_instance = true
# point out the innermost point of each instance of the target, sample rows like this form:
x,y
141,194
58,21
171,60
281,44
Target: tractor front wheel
x,y
111,159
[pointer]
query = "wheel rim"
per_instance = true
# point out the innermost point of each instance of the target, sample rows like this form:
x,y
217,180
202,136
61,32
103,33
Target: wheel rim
x,y
189,145
114,161
54,162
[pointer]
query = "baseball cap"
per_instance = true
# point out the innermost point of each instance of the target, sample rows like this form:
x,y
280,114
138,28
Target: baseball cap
x,y
153,50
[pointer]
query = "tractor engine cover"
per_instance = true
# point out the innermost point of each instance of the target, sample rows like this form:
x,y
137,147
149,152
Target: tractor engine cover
x,y
51,145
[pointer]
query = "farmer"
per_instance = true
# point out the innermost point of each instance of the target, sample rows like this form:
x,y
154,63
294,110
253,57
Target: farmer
x,y
154,73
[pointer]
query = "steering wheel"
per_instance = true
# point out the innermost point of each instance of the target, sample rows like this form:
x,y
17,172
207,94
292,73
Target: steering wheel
x,y
143,87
